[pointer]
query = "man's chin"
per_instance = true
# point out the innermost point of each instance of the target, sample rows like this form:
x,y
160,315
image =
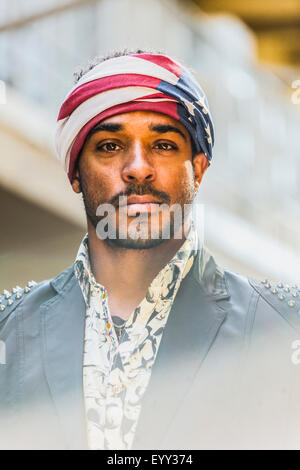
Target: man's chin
x,y
131,244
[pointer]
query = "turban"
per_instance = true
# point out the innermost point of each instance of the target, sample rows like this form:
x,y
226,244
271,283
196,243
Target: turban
x,y
151,82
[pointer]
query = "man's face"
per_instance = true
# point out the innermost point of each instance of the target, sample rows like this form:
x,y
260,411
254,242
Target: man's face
x,y
147,157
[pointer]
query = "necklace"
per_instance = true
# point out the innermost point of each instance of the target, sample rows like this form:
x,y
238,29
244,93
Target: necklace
x,y
119,325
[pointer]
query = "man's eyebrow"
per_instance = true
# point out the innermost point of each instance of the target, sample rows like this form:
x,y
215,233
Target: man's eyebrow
x,y
164,128
108,127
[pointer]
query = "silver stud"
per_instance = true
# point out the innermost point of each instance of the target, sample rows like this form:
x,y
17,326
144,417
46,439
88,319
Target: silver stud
x,y
268,285
16,289
280,285
281,296
291,303
18,295
274,291
26,289
286,289
2,307
7,294
295,294
31,283
10,302
295,286
265,281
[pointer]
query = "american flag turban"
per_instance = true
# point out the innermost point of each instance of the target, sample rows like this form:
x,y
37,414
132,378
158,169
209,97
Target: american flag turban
x,y
151,82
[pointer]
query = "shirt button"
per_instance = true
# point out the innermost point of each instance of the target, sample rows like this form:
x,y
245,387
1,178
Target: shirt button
x,y
117,389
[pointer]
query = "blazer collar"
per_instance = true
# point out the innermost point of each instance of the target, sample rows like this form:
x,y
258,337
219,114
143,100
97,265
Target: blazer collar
x,y
209,275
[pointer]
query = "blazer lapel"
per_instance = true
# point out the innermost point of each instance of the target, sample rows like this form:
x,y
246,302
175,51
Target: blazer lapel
x,y
192,326
63,323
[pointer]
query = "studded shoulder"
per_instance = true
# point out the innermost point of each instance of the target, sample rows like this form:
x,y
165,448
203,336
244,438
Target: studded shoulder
x,y
10,300
283,297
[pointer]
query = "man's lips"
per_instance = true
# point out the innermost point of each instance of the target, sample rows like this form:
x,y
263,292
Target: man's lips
x,y
142,200
140,204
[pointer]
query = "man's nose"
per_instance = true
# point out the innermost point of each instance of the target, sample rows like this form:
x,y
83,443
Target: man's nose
x,y
139,167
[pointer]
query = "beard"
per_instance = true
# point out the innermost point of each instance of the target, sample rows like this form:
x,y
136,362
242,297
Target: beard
x,y
145,231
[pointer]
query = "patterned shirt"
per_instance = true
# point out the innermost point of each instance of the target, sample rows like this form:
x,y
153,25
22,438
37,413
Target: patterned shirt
x,y
117,370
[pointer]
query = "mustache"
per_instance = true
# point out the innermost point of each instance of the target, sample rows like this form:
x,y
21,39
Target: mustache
x,y
141,190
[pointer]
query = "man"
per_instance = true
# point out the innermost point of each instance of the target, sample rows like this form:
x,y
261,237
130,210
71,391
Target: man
x,y
145,342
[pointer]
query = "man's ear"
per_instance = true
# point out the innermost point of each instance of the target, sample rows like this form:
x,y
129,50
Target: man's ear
x,y
76,182
200,164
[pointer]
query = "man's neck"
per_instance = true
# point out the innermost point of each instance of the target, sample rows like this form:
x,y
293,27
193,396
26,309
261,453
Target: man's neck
x,y
127,273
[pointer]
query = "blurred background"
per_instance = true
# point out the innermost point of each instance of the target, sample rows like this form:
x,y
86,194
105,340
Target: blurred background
x,y
246,55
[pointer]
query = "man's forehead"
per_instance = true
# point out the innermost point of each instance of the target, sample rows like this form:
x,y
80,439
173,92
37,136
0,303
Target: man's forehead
x,y
149,120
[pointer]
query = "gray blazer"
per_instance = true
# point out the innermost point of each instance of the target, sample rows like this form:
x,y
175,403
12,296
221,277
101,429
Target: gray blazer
x,y
223,377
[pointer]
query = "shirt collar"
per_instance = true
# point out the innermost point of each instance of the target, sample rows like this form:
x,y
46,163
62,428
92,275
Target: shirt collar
x,y
182,261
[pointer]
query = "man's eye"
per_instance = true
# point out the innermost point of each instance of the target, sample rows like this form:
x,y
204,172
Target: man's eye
x,y
166,146
108,147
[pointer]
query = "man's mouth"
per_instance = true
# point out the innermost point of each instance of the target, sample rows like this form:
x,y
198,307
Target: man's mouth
x,y
141,204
